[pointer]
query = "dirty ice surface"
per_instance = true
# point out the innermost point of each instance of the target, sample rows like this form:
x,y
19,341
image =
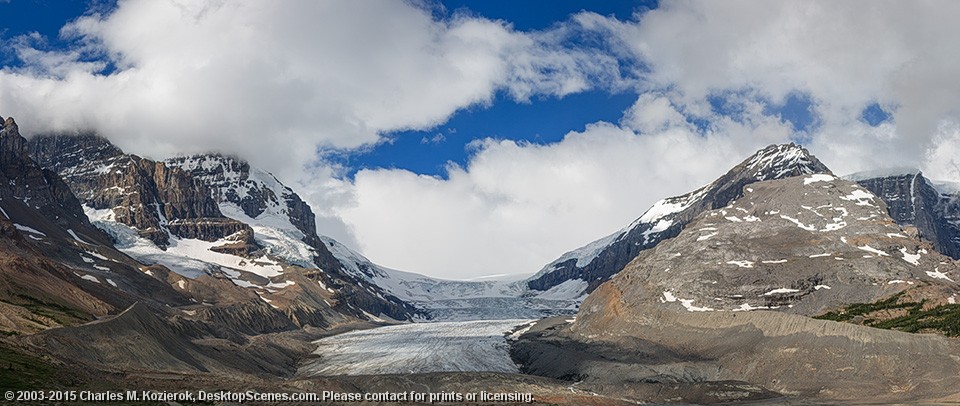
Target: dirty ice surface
x,y
416,348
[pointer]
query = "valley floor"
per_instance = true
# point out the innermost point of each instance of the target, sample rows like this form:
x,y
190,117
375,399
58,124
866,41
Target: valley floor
x,y
466,346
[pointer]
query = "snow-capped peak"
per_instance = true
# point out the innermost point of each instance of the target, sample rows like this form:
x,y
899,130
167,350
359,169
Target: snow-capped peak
x,y
775,161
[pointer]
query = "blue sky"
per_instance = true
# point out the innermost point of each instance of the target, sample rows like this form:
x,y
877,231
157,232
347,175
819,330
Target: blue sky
x,y
564,120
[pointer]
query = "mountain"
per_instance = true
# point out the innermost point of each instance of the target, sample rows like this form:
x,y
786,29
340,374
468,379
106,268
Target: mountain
x,y
57,268
919,204
214,216
748,292
803,245
593,264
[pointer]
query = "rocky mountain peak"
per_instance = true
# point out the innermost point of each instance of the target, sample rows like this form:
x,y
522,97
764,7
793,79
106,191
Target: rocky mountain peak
x,y
594,263
778,161
801,244
12,145
255,192
8,123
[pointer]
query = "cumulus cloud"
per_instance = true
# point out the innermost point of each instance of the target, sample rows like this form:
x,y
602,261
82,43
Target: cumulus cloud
x,y
844,55
273,81
517,206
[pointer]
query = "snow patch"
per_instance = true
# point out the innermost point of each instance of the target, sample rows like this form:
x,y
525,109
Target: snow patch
x,y
568,289
280,285
90,278
742,264
861,197
661,226
936,274
22,227
820,177
688,304
75,237
798,223
706,236
870,249
746,307
780,291
911,258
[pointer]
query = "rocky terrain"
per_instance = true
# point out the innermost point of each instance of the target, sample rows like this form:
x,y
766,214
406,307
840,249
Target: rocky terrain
x,y
730,299
58,269
596,262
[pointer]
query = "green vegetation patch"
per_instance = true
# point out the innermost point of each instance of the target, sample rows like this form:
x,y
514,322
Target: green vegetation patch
x,y
943,319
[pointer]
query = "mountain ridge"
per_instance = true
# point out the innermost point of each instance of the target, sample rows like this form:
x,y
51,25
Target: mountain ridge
x,y
601,259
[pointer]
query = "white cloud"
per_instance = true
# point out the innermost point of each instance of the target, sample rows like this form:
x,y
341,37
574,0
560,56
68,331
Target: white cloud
x,y
845,55
517,206
272,81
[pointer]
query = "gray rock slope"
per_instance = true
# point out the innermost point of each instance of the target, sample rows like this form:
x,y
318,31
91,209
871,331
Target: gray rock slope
x,y
598,261
728,299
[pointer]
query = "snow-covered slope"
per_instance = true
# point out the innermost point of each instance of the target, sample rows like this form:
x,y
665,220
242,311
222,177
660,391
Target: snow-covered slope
x,y
189,257
596,262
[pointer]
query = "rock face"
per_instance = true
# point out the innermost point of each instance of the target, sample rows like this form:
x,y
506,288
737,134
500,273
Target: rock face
x,y
253,191
913,200
157,200
28,182
598,261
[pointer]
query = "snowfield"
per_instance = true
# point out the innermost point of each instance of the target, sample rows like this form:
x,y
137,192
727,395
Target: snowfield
x,y
416,348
